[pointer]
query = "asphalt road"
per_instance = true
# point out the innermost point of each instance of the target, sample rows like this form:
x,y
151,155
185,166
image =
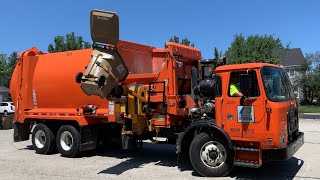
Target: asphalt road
x,y
19,161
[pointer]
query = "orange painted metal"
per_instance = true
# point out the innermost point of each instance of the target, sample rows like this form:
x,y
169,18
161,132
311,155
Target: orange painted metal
x,y
43,86
268,127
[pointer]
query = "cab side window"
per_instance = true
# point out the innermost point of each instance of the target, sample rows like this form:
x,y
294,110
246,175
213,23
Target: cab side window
x,y
243,83
218,86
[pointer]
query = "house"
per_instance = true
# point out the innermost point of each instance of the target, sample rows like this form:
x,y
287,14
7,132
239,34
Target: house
x,y
4,94
291,59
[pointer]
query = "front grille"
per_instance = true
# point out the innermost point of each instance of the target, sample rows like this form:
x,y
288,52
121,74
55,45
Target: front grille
x,y
293,123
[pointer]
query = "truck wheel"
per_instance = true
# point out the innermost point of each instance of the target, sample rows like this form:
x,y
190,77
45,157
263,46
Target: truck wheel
x,y
5,112
68,141
43,139
210,156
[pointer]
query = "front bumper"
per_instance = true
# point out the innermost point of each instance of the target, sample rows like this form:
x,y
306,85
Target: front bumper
x,y
284,153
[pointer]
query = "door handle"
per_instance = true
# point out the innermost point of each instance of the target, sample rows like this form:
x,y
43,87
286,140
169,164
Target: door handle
x,y
222,124
269,110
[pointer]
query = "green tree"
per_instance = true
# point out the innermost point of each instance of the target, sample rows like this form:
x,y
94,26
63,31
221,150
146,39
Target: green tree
x,y
309,79
12,61
302,81
314,59
11,64
184,41
68,42
7,65
174,39
254,48
3,69
216,53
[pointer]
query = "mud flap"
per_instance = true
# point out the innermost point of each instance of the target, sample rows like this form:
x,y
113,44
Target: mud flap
x,y
21,131
89,138
129,142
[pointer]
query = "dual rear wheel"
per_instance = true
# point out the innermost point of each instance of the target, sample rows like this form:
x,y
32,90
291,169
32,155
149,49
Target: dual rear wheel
x,y
67,141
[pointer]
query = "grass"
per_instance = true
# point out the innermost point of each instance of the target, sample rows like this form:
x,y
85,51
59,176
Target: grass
x,y
309,109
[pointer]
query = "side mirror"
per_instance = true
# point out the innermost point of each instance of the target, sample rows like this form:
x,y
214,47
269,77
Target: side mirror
x,y
246,81
104,27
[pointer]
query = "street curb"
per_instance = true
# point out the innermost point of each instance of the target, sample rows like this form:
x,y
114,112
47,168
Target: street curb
x,y
313,114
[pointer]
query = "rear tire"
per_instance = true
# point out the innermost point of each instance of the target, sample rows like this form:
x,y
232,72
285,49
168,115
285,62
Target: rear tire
x,y
210,156
68,141
43,139
5,112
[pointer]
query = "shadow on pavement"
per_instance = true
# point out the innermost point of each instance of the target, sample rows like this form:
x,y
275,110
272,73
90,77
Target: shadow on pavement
x,y
29,147
164,155
270,170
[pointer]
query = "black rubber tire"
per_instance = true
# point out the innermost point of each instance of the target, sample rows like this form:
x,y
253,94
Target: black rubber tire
x,y
195,159
74,150
101,81
50,144
79,77
5,112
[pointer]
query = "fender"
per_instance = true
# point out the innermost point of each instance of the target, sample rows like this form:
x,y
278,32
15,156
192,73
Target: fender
x,y
201,123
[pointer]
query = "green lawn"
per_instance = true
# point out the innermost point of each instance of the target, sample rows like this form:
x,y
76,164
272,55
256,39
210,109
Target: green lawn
x,y
309,109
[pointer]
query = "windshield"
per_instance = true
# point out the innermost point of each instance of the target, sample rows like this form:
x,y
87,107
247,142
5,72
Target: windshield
x,y
277,84
207,72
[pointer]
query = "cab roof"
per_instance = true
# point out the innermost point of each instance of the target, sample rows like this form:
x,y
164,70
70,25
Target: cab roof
x,y
245,66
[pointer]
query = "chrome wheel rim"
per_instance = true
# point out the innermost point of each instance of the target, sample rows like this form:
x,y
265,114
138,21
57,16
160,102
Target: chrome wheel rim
x,y
66,141
40,139
213,154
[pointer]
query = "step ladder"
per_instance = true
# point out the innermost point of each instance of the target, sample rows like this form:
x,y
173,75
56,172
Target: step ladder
x,y
248,157
151,91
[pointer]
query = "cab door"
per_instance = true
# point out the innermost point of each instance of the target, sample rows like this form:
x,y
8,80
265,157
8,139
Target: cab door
x,y
230,104
244,115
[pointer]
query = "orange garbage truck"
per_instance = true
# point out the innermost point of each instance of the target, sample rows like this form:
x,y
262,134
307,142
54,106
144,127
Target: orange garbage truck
x,y
122,93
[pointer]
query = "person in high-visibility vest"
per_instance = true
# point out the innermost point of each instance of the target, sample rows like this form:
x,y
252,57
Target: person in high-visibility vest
x,y
234,87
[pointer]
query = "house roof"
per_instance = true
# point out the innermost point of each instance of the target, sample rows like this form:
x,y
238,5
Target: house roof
x,y
290,57
4,89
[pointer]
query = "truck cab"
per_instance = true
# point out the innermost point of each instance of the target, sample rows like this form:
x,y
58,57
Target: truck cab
x,y
265,117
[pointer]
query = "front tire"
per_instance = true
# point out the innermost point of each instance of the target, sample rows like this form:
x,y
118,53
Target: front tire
x,y
43,139
210,156
68,141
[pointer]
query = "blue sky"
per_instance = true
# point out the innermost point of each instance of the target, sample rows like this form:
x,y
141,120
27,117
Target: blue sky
x,y
208,23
